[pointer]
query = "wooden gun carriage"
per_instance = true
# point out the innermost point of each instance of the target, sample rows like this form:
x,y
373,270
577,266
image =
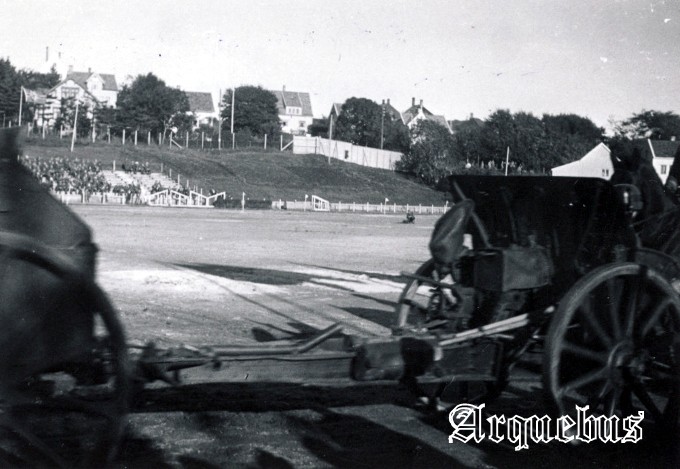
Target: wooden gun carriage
x,y
518,263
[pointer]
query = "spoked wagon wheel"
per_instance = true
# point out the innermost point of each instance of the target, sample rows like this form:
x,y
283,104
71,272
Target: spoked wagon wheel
x,y
425,305
63,380
614,344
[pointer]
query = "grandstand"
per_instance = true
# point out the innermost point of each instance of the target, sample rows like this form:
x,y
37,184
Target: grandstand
x,y
146,181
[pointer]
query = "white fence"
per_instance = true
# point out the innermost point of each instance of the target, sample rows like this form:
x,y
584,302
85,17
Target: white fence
x,y
354,207
344,151
96,198
170,197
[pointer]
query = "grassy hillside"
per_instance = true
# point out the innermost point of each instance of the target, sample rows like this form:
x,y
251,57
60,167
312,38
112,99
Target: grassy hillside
x,y
260,174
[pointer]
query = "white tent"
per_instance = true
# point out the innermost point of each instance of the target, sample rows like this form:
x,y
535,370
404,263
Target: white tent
x,y
596,163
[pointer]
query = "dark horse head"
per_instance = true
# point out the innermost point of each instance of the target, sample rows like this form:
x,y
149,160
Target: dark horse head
x,y
633,166
658,219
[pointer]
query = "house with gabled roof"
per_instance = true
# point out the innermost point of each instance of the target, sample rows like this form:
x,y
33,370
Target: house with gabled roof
x,y
201,105
100,86
471,123
295,111
663,152
91,88
391,111
419,112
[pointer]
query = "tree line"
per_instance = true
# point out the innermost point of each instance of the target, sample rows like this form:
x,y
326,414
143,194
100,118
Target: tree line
x,y
431,151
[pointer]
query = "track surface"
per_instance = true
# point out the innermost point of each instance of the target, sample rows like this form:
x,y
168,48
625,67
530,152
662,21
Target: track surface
x,y
222,277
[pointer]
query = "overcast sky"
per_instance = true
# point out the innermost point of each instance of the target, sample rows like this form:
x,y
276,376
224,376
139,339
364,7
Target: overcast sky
x,y
600,58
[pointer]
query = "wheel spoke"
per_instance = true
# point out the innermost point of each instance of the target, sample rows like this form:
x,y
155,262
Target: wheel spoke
x,y
655,315
614,298
588,378
591,319
647,401
613,401
583,352
634,285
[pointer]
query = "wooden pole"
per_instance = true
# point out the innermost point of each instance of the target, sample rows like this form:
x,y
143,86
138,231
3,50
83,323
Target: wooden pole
x,y
148,138
21,101
186,140
202,139
233,101
233,140
265,141
507,160
75,127
281,144
135,137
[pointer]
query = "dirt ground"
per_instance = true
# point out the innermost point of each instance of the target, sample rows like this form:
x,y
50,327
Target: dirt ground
x,y
203,277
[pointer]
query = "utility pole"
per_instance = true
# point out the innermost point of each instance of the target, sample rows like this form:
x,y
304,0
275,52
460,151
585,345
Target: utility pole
x,y
382,125
219,123
330,139
21,100
233,100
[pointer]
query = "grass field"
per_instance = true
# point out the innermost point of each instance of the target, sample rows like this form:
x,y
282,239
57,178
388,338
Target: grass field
x,y
271,175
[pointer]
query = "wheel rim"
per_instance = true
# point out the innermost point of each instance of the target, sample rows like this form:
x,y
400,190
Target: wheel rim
x,y
73,416
614,345
419,299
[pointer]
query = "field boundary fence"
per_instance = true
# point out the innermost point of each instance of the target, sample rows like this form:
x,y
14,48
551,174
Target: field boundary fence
x,y
199,139
347,152
172,198
354,207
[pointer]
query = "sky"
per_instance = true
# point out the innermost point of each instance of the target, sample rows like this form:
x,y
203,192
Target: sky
x,y
602,59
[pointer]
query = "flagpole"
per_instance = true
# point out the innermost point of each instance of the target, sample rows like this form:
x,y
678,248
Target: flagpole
x,y
75,124
21,100
507,160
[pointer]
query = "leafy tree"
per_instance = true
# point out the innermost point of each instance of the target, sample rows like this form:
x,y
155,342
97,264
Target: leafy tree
x,y
396,135
574,126
359,122
468,141
656,125
254,110
34,80
320,128
148,104
67,114
10,86
432,154
569,137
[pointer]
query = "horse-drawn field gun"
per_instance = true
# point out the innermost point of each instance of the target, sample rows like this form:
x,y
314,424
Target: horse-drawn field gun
x,y
518,263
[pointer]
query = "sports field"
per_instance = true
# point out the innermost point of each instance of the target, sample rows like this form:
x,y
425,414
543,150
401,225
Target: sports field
x,y
203,277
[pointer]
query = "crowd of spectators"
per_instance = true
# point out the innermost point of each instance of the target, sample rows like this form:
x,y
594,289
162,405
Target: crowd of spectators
x,y
85,177
137,167
73,176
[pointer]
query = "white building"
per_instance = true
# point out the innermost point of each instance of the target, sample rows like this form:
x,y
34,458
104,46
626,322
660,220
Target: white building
x,y
596,163
295,111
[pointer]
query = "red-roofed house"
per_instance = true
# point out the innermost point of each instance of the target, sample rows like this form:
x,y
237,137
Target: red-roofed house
x,y
295,111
